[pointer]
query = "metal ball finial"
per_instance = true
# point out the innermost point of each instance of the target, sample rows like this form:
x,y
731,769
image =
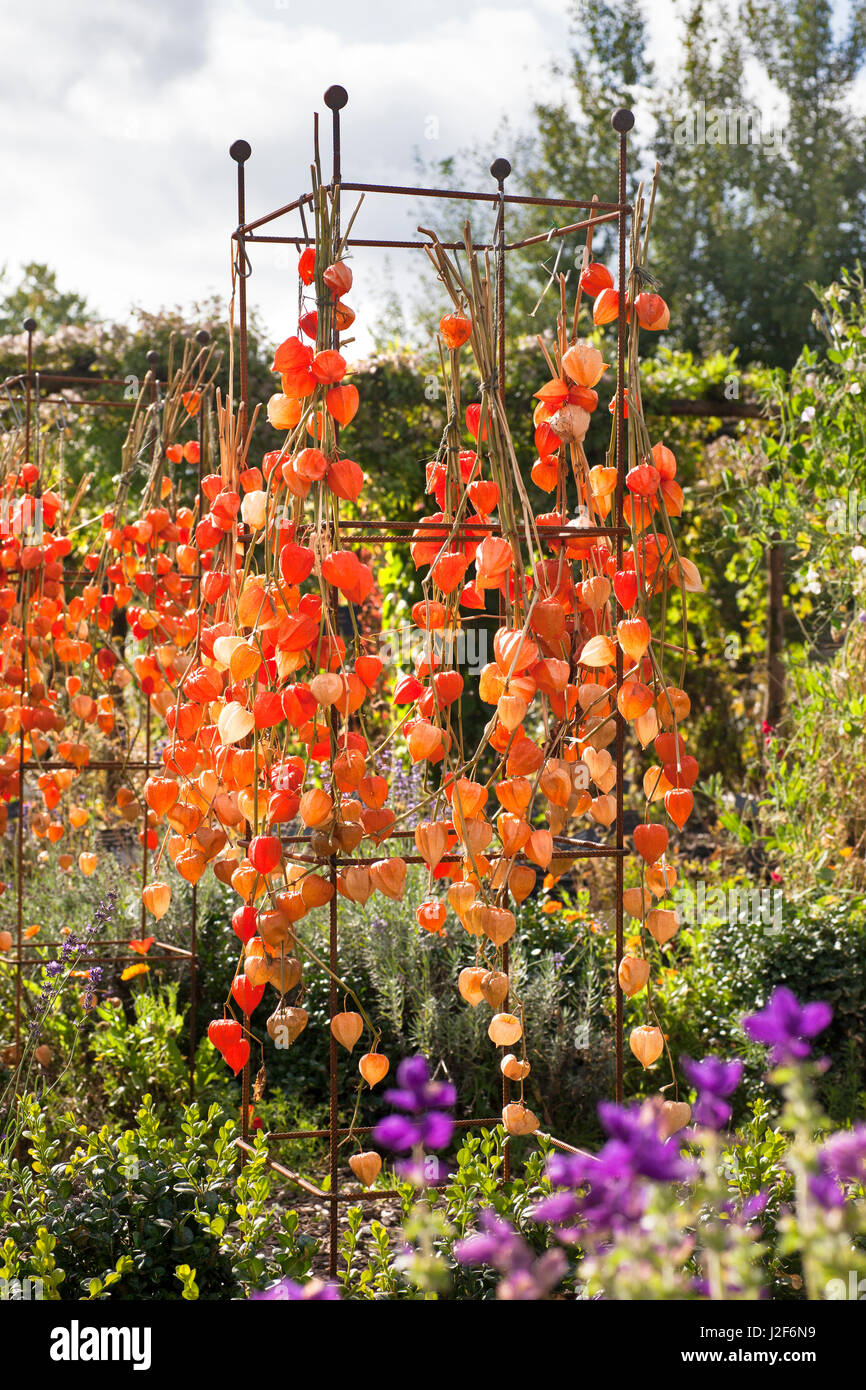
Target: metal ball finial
x,y
29,325
500,169
622,120
152,358
240,151
336,98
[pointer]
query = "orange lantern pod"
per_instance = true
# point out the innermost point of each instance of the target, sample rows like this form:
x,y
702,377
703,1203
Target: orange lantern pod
x,y
647,1044
672,706
650,841
342,403
652,311
338,277
456,330
662,924
679,803
388,876
161,794
584,363
633,975
347,1028
328,367
345,478
539,848
633,700
374,1067
598,652
431,915
524,759
606,307
513,651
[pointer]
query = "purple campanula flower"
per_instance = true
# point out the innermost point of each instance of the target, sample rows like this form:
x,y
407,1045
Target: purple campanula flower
x,y
287,1290
421,1118
786,1025
526,1277
608,1191
842,1159
715,1080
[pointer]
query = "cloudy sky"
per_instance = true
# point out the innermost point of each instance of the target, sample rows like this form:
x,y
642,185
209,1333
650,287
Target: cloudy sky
x,y
118,119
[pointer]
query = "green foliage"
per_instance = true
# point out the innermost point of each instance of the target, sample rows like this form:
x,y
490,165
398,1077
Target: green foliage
x,y
38,296
142,1054
722,970
130,1214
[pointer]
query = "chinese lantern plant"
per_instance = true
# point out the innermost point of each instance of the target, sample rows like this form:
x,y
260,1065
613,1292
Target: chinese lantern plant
x,y
651,697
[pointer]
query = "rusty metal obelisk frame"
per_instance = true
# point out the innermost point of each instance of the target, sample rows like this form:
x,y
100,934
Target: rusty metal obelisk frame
x,y
398,531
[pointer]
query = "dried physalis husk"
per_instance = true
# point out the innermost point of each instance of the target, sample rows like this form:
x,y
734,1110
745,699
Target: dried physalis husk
x,y
347,1028
286,1023
469,983
494,987
521,882
499,924
662,923
504,1029
675,1115
518,1119
366,1167
461,896
514,1068
637,901
275,927
647,1043
354,883
633,974
284,974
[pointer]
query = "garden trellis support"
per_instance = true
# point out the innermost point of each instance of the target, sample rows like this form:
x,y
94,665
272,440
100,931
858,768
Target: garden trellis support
x,y
389,531
25,394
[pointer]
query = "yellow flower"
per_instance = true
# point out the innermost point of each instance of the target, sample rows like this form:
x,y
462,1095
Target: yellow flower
x,y
132,970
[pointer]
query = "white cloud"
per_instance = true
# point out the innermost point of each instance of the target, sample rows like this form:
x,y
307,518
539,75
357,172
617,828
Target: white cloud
x,y
117,171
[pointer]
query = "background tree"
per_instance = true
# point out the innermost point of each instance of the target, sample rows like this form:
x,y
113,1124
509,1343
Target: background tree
x,y
763,165
37,296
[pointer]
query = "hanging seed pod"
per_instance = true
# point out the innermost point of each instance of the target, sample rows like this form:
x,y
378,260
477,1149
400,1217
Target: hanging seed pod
x,y
675,1115
324,843
157,899
257,968
347,1028
431,841
518,1119
514,1068
633,974
284,974
388,876
647,1044
461,896
499,925
316,891
366,1166
275,928
494,987
469,983
662,923
521,882
504,1029
637,901
373,1067
286,1024
660,879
